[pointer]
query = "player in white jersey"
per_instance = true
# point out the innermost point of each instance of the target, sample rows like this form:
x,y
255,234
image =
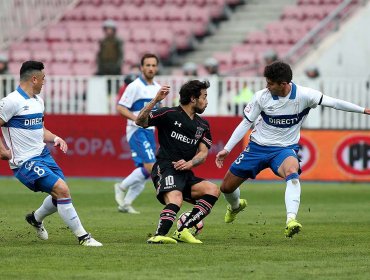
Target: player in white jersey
x,y
141,141
278,111
22,125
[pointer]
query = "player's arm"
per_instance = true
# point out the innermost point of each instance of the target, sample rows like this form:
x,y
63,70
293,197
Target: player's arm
x,y
125,112
52,138
142,118
342,105
4,152
237,135
198,159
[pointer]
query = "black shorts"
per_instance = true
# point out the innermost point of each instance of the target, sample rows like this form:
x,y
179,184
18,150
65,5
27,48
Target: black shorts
x,y
166,178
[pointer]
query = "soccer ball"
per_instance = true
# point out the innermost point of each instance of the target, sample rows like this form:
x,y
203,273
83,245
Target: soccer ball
x,y
195,230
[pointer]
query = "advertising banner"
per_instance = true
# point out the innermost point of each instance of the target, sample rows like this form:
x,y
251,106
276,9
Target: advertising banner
x,y
98,148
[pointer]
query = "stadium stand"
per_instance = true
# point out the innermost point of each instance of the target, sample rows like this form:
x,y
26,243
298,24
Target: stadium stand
x,y
165,27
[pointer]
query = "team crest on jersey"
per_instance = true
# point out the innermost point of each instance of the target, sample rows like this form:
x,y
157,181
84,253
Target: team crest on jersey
x,y
248,108
199,132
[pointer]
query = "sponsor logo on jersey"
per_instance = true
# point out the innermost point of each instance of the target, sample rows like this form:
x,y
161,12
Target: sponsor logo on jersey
x,y
178,123
33,121
183,138
199,132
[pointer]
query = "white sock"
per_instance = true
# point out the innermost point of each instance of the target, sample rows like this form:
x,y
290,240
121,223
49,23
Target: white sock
x,y
47,208
133,192
292,197
233,198
136,176
70,217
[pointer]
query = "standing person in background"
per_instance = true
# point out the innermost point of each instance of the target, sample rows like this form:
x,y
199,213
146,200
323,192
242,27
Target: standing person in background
x,y
110,55
141,141
280,109
22,125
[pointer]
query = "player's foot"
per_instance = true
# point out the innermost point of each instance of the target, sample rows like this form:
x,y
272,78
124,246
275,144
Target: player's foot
x,y
87,240
185,236
159,239
39,227
292,228
231,213
127,209
119,194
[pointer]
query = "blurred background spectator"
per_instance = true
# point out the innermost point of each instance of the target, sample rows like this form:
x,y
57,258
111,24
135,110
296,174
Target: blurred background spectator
x,y
110,54
211,65
190,69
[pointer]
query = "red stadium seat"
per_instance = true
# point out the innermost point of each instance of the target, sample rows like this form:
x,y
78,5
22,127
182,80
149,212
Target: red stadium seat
x,y
83,69
60,69
43,55
66,56
20,55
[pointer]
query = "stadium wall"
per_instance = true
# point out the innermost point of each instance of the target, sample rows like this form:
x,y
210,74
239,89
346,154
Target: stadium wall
x,y
98,148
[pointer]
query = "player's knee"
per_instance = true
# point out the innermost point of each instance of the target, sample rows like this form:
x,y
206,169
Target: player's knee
x,y
61,190
213,190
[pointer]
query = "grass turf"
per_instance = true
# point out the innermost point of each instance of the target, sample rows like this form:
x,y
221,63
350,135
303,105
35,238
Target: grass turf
x,y
334,242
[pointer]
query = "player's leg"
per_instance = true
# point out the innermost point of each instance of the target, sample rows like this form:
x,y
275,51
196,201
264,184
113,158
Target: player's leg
x,y
287,166
205,195
173,201
68,213
230,189
142,144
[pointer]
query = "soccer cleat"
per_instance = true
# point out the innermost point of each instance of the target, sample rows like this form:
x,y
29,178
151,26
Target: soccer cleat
x,y
292,228
127,209
231,213
159,239
88,241
39,227
185,236
119,195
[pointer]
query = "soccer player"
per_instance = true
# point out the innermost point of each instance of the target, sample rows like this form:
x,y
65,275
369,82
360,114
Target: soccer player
x,y
141,141
22,125
184,139
279,111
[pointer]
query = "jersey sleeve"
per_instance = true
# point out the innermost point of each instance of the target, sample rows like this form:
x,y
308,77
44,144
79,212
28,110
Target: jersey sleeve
x,y
207,138
127,99
157,117
253,109
312,97
7,109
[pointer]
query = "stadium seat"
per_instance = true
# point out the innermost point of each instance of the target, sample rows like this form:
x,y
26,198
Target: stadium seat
x,y
20,55
45,56
60,69
66,56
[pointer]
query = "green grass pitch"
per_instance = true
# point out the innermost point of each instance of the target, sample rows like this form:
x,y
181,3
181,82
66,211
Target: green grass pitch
x,y
334,242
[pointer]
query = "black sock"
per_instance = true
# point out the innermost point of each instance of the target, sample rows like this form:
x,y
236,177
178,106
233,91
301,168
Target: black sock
x,y
166,219
201,209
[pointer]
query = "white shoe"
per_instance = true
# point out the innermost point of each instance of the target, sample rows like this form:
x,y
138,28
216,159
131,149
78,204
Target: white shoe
x,y
127,209
39,227
119,195
89,241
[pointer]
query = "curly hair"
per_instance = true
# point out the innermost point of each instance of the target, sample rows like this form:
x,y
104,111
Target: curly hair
x,y
278,72
192,89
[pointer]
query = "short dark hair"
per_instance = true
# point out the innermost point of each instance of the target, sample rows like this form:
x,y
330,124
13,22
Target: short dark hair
x,y
278,72
192,89
149,55
28,67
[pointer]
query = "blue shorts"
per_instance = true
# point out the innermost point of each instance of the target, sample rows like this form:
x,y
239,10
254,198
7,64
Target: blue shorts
x,y
39,173
142,145
255,158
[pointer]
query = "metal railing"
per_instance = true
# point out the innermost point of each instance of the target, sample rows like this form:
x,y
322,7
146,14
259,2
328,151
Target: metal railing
x,y
71,95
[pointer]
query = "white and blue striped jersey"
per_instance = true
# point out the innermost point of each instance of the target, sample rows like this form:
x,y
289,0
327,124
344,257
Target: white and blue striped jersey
x,y
279,119
136,96
23,130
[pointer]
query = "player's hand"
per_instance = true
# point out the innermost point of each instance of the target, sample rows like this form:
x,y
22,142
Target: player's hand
x,y
182,165
61,143
162,93
5,154
367,111
220,157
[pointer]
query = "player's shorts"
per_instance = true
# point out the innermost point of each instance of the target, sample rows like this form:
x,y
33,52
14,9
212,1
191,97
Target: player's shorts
x,y
166,178
40,173
142,145
256,158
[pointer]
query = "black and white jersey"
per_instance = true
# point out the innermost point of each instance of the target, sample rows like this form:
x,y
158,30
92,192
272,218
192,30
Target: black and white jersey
x,y
179,136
